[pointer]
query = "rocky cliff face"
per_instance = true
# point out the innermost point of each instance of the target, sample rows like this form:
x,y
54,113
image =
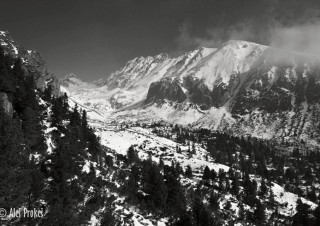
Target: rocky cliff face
x,y
165,90
32,62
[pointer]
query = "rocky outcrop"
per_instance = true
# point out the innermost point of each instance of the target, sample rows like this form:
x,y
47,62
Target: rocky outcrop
x,y
5,104
32,61
165,89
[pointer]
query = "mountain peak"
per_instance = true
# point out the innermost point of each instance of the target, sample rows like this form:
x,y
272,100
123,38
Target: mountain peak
x,y
233,42
71,75
74,83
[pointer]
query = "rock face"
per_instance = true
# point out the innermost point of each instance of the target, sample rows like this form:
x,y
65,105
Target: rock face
x,y
165,90
32,62
5,104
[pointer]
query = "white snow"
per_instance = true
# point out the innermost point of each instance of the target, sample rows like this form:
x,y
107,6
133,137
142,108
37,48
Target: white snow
x,y
121,140
289,199
15,49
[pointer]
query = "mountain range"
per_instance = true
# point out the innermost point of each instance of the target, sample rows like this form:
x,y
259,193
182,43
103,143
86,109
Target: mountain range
x,y
242,87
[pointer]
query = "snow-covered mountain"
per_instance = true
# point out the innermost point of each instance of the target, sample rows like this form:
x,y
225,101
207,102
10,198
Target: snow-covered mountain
x,y
241,87
73,83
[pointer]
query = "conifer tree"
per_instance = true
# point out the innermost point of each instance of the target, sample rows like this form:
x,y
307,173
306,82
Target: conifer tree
x,y
263,188
206,173
235,185
301,217
259,214
153,185
175,199
133,184
201,215
5,81
132,155
213,174
33,131
213,201
188,172
316,214
14,173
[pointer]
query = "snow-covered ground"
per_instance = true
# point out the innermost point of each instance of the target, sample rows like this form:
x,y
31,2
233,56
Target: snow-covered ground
x,y
147,142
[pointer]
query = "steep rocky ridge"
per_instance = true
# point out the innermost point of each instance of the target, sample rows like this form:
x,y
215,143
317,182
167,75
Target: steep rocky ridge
x,y
32,61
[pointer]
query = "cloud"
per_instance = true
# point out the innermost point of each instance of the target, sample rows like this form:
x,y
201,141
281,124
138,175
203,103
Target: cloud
x,y
299,37
214,37
302,38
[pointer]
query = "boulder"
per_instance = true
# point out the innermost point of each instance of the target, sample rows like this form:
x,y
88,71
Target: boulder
x,y
5,104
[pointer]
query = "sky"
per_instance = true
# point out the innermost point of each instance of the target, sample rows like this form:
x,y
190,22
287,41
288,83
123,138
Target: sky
x,y
93,38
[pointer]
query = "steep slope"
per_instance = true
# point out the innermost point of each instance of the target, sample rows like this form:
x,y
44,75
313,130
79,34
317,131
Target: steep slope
x,y
130,85
241,87
32,61
74,83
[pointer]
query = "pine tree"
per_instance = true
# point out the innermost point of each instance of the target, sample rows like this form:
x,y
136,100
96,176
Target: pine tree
x,y
84,125
193,148
316,214
132,155
65,101
235,185
213,174
133,182
222,175
259,214
213,201
206,173
301,217
63,196
175,200
188,172
241,212
153,185
5,81
47,94
178,170
94,146
14,170
228,205
37,185
263,188
185,219
200,213
161,163
108,219
32,131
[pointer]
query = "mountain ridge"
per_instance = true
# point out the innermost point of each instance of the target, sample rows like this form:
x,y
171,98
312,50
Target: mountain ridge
x,y
232,88
32,62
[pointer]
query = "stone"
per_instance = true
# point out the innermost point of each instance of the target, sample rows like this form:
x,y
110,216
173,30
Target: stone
x,y
5,104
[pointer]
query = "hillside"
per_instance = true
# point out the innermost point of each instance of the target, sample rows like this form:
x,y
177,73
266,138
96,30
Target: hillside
x,y
89,160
